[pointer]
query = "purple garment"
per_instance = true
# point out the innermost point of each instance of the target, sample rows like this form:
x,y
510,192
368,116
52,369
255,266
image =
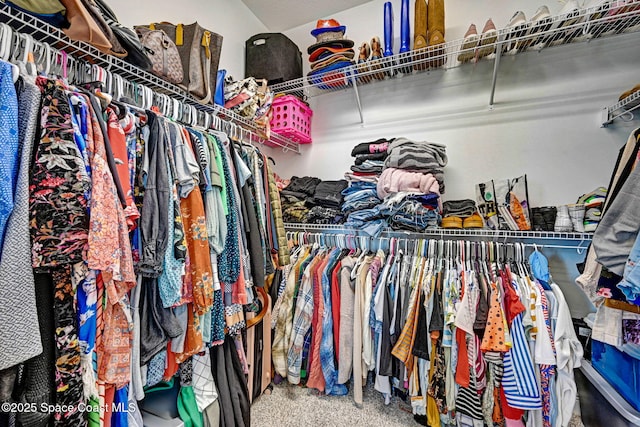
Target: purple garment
x,y
631,331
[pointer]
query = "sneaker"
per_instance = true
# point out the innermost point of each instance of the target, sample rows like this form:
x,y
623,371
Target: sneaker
x,y
540,22
537,220
487,40
590,226
549,214
576,212
469,43
595,197
518,27
563,222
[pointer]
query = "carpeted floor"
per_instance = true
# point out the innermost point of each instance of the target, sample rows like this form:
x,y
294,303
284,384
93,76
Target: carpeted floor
x,y
292,406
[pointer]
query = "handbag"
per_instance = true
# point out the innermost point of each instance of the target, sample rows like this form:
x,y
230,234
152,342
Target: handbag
x,y
163,54
199,51
83,27
135,52
96,14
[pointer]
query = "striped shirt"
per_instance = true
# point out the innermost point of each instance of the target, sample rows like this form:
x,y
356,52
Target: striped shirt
x,y
519,381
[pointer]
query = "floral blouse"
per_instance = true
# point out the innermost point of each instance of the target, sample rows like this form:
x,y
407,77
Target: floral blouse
x,y
59,221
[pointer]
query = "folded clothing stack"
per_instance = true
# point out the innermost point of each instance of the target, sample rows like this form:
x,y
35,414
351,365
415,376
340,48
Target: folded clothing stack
x,y
403,184
461,214
360,195
328,194
425,157
298,197
369,160
593,204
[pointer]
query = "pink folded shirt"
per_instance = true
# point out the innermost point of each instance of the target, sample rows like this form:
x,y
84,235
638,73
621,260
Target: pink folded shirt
x,y
398,180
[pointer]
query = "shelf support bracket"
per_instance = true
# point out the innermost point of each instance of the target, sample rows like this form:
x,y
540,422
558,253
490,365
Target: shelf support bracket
x,y
357,95
494,78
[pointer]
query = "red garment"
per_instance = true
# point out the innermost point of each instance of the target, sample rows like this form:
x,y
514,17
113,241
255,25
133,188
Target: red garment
x,y
508,411
172,366
118,141
512,304
316,377
109,397
335,307
463,377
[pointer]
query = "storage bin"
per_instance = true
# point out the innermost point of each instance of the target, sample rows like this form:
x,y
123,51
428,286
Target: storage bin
x,y
620,369
272,56
291,118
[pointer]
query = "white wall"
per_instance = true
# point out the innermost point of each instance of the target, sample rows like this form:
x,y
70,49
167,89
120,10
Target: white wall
x,y
229,18
545,123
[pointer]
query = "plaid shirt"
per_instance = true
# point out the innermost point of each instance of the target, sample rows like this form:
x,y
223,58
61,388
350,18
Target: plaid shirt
x,y
301,323
327,356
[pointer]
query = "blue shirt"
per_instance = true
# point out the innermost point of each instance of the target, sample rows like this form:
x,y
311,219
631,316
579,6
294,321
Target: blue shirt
x,y
9,145
327,357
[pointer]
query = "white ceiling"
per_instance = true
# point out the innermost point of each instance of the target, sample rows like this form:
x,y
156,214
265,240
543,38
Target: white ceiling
x,y
282,15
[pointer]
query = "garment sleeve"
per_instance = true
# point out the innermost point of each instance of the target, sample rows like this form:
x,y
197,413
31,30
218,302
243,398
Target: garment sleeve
x,y
155,205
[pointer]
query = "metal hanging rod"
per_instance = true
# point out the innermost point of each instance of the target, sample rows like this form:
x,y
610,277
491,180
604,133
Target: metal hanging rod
x,y
451,233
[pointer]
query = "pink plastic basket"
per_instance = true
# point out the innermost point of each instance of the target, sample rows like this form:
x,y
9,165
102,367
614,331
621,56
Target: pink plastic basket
x,y
291,118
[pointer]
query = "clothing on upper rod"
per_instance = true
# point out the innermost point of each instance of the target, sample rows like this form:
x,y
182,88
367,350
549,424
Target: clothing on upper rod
x,y
147,238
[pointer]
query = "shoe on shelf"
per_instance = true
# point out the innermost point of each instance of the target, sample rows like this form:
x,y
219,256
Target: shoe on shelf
x,y
420,35
540,22
487,40
363,63
451,222
469,43
376,57
537,220
590,226
595,197
518,27
435,28
569,15
549,214
563,222
543,218
474,221
631,104
622,15
576,212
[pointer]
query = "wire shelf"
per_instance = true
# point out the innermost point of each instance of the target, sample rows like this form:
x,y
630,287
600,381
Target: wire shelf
x,y
43,32
622,109
452,233
578,26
